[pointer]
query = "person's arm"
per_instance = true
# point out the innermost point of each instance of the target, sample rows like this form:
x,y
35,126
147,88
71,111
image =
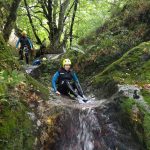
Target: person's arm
x,y
30,43
54,80
17,44
75,78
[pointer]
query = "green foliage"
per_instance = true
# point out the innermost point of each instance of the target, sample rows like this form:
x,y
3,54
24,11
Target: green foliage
x,y
115,37
4,11
8,60
90,14
127,106
8,76
11,80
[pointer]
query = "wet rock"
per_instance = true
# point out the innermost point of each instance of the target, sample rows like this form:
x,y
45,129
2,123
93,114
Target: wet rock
x,y
105,87
32,116
135,95
38,123
72,126
145,57
133,91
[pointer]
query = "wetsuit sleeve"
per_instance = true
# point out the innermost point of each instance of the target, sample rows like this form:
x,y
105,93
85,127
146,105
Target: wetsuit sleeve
x,y
17,44
75,78
30,43
54,80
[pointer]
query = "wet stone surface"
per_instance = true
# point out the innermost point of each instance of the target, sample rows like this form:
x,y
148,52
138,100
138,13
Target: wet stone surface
x,y
67,125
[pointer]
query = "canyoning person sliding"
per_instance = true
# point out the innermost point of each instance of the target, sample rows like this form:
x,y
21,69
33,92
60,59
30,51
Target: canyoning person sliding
x,y
25,46
65,82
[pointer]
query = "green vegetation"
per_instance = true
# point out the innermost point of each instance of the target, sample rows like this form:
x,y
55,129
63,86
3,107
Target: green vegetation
x,y
109,42
133,67
15,126
16,129
146,95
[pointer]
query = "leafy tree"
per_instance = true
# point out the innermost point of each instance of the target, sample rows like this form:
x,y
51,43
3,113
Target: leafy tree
x,y
53,17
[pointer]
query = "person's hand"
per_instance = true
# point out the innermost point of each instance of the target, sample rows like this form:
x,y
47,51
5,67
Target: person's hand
x,y
57,92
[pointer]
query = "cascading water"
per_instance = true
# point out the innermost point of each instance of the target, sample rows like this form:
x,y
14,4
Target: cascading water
x,y
91,126
88,123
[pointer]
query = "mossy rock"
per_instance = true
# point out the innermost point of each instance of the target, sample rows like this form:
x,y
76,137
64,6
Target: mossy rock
x,y
131,67
105,86
139,127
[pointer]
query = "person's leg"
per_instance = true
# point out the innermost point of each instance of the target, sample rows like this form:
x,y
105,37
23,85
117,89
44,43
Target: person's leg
x,y
31,55
71,88
20,54
79,89
27,57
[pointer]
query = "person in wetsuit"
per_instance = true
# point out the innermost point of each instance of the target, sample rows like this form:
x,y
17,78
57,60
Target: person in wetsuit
x,y
65,81
24,42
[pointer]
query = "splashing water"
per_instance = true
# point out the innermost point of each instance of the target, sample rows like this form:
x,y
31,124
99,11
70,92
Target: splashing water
x,y
92,126
88,123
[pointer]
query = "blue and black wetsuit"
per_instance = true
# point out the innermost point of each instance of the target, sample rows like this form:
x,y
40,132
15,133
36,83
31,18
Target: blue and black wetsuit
x,y
24,42
66,82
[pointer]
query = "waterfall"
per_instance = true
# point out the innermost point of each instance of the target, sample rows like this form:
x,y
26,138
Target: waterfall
x,y
88,122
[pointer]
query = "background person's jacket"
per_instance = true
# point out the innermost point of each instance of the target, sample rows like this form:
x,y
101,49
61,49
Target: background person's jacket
x,y
24,41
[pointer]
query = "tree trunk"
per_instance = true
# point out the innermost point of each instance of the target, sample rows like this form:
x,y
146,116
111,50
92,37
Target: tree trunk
x,y
56,32
72,22
31,22
11,19
58,22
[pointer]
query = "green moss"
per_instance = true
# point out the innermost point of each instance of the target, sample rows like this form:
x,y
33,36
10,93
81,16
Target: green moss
x,y
38,86
15,127
8,61
147,130
146,95
131,67
141,129
127,105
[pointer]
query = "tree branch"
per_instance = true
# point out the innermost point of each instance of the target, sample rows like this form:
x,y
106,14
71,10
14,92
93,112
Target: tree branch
x,y
31,22
68,12
41,24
